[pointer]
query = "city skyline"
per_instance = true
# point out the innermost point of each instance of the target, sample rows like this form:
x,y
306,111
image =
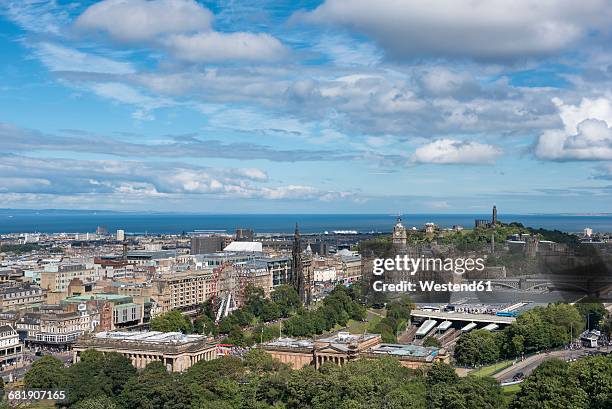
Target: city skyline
x,y
313,107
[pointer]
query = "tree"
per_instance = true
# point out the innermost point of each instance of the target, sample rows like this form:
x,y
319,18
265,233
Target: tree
x,y
515,346
270,311
592,312
478,347
100,402
551,386
206,373
287,299
565,316
46,373
155,388
440,372
254,299
470,392
207,308
264,333
204,325
98,374
236,336
542,328
386,330
533,330
172,321
400,310
431,342
594,375
261,362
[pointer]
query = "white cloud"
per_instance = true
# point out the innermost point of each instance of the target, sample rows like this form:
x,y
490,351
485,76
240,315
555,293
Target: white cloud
x,y
59,58
437,204
572,115
466,28
586,133
438,80
78,177
345,51
144,20
128,95
214,47
39,16
451,151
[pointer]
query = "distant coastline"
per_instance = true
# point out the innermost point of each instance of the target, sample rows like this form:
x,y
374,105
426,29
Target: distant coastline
x,y
158,212
81,221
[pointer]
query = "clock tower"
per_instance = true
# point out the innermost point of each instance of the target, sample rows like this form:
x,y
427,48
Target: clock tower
x,y
399,234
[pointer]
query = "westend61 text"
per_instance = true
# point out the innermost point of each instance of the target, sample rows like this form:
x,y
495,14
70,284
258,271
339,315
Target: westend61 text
x,y
412,265
428,286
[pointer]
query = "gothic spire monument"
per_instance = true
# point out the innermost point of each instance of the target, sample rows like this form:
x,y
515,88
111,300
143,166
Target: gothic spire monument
x,y
300,269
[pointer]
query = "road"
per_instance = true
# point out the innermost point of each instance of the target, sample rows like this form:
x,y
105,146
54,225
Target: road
x,y
532,362
29,357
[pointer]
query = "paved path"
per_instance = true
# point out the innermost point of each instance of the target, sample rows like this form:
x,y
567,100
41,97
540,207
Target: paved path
x,y
532,362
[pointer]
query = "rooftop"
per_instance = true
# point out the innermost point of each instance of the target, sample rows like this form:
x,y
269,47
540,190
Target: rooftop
x,y
291,343
404,350
155,337
347,338
244,246
97,296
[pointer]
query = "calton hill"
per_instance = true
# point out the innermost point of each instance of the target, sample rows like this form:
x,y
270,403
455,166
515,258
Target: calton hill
x,y
502,245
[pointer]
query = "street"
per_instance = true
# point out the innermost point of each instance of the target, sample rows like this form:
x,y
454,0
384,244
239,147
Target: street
x,y
532,362
28,357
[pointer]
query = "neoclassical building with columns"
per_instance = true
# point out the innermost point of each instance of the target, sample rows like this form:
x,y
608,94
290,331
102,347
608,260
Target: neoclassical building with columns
x,y
176,351
343,347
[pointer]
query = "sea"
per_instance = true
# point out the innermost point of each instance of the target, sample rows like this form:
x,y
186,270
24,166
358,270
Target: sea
x,y
54,221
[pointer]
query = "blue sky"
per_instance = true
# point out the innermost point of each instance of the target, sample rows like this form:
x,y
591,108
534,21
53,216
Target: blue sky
x,y
335,106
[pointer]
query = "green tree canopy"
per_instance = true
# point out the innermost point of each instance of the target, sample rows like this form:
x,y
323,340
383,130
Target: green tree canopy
x,y
594,375
287,299
431,342
550,386
45,373
478,347
98,374
171,321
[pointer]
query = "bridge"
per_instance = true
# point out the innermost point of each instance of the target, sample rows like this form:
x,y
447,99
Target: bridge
x,y
461,317
599,287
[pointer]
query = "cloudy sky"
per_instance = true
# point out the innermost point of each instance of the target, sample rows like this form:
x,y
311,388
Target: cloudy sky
x,y
439,106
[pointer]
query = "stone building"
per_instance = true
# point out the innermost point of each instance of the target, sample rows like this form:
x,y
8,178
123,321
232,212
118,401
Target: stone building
x,y
17,296
344,347
57,326
176,351
11,349
255,273
183,290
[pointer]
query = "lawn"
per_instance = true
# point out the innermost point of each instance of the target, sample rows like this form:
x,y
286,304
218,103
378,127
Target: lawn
x,y
491,369
511,389
359,327
509,392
